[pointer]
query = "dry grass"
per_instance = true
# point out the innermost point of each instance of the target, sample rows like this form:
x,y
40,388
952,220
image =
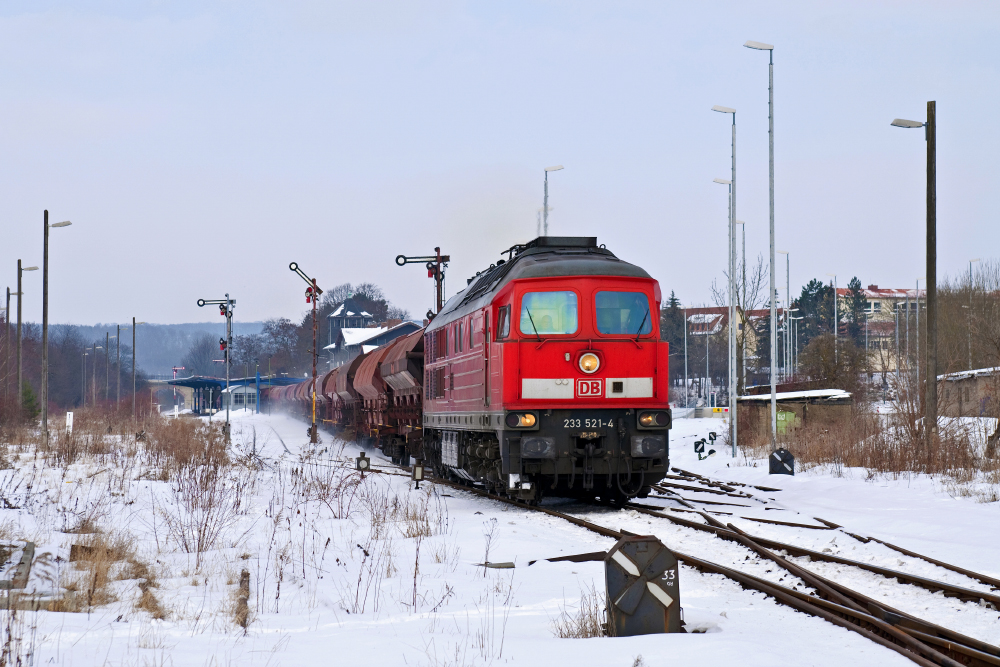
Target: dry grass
x,y
587,620
103,559
885,445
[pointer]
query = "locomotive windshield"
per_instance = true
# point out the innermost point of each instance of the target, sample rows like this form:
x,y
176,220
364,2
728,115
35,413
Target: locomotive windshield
x,y
548,313
625,313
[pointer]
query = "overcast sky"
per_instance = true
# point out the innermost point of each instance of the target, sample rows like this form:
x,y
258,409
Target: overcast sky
x,y
200,147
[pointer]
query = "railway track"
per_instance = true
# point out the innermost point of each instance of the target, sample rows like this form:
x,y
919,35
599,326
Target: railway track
x,y
921,641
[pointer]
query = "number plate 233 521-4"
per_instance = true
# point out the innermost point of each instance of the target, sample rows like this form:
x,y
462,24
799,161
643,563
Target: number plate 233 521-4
x,y
588,422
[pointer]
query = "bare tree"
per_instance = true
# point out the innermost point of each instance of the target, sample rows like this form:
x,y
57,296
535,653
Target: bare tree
x,y
751,294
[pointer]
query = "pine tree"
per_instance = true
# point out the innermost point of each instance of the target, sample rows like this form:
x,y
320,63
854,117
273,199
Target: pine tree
x,y
30,407
855,306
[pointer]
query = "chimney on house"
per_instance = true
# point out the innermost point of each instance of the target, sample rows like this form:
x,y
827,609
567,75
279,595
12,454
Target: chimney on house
x,y
873,288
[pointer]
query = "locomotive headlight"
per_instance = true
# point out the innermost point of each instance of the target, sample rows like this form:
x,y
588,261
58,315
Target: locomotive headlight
x,y
589,363
521,420
654,419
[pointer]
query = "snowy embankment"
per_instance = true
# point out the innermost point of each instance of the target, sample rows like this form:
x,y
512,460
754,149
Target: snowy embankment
x,y
345,571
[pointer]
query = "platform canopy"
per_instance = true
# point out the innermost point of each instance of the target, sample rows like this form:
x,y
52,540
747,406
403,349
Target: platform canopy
x,y
204,382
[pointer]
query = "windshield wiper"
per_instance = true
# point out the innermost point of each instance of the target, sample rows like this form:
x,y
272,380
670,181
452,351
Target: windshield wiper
x,y
533,327
641,324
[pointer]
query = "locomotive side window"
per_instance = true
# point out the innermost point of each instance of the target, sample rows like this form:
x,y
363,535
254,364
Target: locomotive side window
x,y
624,313
440,343
548,313
458,337
503,322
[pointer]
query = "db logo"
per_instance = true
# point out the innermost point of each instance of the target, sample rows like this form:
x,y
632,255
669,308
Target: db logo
x,y
589,388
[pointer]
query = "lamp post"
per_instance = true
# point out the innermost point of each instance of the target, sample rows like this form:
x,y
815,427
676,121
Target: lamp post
x,y
45,324
795,344
107,365
134,324
6,341
687,399
93,374
20,299
83,380
760,46
836,318
741,346
971,261
930,136
732,275
226,307
545,200
313,292
788,303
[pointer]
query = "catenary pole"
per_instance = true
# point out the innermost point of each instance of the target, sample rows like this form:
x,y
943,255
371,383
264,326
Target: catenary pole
x,y
19,387
133,371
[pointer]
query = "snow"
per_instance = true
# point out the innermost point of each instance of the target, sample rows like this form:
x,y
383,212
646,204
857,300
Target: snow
x,y
963,375
358,336
330,609
791,395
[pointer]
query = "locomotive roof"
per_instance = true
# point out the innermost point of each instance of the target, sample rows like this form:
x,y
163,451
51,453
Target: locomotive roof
x,y
544,257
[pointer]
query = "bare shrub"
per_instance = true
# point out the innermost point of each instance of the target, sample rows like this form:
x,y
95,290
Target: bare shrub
x,y
587,620
15,651
184,442
206,502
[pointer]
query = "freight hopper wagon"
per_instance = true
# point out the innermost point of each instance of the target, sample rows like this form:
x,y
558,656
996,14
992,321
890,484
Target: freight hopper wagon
x,y
546,375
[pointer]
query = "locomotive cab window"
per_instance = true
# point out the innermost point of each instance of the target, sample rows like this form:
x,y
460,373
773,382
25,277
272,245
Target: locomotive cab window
x,y
624,313
503,322
547,313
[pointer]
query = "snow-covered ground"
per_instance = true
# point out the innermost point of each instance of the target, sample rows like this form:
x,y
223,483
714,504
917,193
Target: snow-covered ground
x,y
387,574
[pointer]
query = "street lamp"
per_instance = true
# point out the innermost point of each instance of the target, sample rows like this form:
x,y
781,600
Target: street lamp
x,y
732,295
134,324
930,136
83,380
45,324
20,370
732,278
760,46
788,302
226,307
971,261
687,399
545,201
6,351
741,347
313,293
795,344
836,319
93,374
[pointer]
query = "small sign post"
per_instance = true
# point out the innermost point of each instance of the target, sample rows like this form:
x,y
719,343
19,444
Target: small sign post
x,y
69,424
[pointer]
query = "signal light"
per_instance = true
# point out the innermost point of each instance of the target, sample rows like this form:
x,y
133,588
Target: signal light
x,y
222,344
521,420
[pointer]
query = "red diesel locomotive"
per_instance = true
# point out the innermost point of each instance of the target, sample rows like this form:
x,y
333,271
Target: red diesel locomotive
x,y
545,376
